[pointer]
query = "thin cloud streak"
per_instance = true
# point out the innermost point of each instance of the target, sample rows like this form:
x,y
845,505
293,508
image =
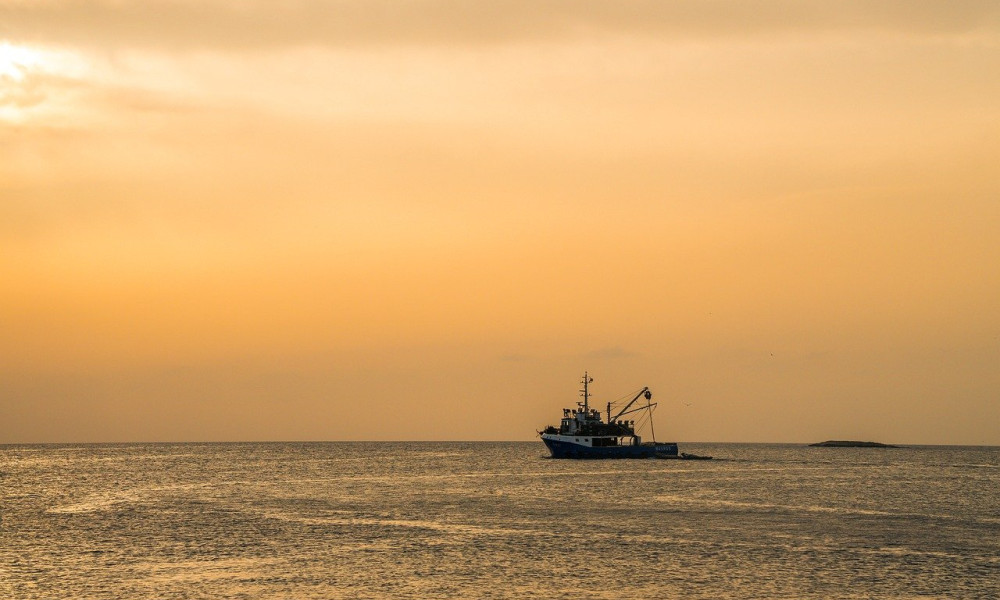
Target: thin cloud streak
x,y
173,24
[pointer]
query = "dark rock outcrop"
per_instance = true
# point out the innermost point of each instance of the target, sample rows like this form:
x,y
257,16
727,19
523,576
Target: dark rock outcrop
x,y
851,444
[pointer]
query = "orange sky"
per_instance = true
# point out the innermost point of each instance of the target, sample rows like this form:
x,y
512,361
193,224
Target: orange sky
x,y
424,219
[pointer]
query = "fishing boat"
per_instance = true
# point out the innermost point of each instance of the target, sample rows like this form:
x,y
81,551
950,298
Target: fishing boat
x,y
583,433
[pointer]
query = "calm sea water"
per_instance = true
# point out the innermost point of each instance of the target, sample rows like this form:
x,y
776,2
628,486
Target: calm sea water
x,y
491,520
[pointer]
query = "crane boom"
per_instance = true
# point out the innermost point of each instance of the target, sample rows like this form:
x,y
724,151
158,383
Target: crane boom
x,y
643,392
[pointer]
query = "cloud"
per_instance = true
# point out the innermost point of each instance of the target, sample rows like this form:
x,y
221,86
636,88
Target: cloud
x,y
23,92
611,352
250,24
517,358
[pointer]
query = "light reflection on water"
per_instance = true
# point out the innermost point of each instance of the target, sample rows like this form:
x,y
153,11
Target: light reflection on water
x,y
487,520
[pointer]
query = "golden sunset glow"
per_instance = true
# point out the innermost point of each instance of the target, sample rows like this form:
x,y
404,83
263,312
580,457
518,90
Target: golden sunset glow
x,y
397,220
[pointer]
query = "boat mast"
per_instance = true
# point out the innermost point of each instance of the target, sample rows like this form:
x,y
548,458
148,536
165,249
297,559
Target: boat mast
x,y
586,393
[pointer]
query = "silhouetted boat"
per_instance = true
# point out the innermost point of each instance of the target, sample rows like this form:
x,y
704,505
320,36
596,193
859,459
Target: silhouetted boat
x,y
583,434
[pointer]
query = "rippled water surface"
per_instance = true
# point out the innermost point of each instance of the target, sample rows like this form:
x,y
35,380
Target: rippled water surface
x,y
485,520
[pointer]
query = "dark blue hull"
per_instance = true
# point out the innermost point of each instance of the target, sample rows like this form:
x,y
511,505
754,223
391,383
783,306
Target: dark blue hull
x,y
560,449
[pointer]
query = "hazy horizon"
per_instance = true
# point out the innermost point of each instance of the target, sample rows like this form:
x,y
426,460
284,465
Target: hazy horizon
x,y
424,220
542,451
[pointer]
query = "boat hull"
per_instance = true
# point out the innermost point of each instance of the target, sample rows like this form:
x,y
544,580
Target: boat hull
x,y
564,449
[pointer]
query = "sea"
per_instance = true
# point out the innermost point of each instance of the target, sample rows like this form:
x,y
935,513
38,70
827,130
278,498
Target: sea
x,y
495,520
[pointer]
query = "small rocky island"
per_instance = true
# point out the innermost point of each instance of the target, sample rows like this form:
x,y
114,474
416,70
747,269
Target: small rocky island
x,y
851,444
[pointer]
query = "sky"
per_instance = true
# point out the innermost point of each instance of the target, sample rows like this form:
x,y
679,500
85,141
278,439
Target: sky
x,y
425,219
